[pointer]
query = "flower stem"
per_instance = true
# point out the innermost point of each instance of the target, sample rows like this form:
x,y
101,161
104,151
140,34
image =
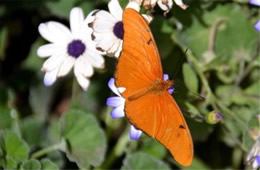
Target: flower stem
x,y
117,150
45,151
211,98
75,91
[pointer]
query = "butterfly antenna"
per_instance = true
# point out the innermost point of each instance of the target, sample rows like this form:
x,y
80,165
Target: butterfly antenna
x,y
180,62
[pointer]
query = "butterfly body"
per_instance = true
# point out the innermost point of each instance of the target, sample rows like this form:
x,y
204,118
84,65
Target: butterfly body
x,y
148,105
158,87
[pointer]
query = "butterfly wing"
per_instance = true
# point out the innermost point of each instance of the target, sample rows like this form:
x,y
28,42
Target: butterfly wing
x,y
161,118
156,115
139,63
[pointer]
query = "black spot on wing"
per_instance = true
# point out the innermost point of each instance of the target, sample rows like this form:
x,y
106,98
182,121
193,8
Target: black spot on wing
x,y
182,127
149,42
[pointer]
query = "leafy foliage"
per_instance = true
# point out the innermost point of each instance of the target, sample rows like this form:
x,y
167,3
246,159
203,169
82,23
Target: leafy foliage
x,y
61,128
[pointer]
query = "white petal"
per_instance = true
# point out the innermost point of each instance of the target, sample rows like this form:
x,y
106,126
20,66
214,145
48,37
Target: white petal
x,y
115,9
53,62
83,82
107,42
118,52
55,32
181,4
254,2
48,50
76,21
148,18
99,36
118,112
66,66
134,5
50,77
111,84
134,133
165,7
95,59
165,77
83,67
121,89
103,28
106,16
114,48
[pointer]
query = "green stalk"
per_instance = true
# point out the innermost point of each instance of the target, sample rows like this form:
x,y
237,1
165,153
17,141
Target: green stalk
x,y
46,150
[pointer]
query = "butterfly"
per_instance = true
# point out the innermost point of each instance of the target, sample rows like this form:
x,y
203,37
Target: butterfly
x,y
148,105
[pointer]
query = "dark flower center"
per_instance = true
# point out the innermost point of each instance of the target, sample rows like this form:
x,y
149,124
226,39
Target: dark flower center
x,y
76,48
119,30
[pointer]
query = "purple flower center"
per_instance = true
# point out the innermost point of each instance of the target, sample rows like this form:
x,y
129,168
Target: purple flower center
x,y
119,30
76,48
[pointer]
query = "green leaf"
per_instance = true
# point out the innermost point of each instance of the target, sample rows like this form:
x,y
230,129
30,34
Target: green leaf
x,y
3,40
48,164
86,142
5,117
10,163
153,147
142,160
32,164
31,127
14,146
61,8
190,78
196,164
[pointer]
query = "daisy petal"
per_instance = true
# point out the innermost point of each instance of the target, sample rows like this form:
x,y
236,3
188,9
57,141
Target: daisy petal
x,y
118,52
135,133
165,77
118,112
95,59
165,7
114,48
50,77
76,20
103,27
104,15
107,42
55,32
47,50
181,4
257,25
134,5
254,2
148,18
115,101
115,9
53,62
83,67
66,66
121,89
112,86
83,82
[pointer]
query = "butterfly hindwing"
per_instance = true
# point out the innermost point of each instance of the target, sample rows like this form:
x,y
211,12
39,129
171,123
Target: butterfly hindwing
x,y
161,118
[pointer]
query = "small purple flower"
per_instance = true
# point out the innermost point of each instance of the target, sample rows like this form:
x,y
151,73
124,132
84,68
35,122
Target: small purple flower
x,y
171,89
256,163
254,2
118,103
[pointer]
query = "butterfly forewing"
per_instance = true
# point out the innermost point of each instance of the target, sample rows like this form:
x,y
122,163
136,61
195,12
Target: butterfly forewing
x,y
139,63
156,114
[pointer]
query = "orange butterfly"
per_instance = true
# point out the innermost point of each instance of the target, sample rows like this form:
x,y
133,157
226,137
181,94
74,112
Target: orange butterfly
x,y
147,103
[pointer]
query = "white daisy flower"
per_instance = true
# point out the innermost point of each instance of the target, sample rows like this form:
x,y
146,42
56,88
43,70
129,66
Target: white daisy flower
x,y
165,5
68,48
108,29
